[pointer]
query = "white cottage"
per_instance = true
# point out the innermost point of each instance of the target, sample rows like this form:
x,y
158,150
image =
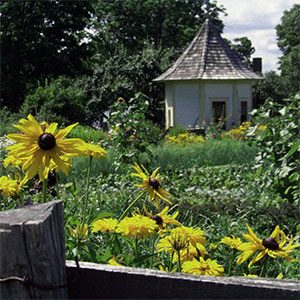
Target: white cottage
x,y
208,81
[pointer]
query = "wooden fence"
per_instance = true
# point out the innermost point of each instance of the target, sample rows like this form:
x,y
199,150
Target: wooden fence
x,y
33,266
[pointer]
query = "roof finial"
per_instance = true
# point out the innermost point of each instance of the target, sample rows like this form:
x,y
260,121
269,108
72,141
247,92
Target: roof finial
x,y
207,8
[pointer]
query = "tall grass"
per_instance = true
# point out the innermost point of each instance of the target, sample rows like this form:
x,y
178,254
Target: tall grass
x,y
209,153
173,157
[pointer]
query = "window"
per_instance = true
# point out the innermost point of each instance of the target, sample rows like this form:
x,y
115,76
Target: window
x,y
244,111
219,111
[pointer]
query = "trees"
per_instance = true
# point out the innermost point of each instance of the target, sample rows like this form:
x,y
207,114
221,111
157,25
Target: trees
x,y
243,48
135,41
40,39
288,36
273,87
278,87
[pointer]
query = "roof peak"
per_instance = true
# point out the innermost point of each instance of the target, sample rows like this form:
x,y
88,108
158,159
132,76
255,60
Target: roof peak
x,y
208,56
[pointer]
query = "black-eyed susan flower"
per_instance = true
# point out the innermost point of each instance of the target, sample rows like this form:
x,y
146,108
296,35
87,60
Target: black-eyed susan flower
x,y
162,218
194,235
203,267
9,186
174,242
38,144
105,225
137,226
95,151
191,253
273,246
151,184
232,242
121,100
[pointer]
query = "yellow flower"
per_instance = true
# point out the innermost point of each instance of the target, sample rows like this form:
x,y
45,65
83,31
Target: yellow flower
x,y
80,232
162,218
113,262
121,100
203,267
38,144
191,252
213,247
89,149
105,225
136,226
13,161
9,186
194,235
54,167
176,241
233,242
250,275
274,246
151,184
166,269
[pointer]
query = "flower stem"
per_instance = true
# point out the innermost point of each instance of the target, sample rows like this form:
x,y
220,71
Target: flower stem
x,y
45,185
230,262
130,206
264,266
153,247
56,185
88,178
179,261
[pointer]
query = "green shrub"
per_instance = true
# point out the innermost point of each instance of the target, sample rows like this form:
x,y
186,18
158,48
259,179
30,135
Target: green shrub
x,y
61,100
6,120
88,134
279,145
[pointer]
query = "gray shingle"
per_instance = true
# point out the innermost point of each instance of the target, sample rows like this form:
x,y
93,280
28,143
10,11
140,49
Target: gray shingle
x,y
208,57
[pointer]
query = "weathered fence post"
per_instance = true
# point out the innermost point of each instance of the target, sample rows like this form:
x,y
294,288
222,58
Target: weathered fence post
x,y
32,252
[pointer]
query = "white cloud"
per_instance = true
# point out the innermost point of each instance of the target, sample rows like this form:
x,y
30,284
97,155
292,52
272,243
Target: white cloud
x,y
257,20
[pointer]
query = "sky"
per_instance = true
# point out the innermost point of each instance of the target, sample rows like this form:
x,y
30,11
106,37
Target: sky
x,y
256,19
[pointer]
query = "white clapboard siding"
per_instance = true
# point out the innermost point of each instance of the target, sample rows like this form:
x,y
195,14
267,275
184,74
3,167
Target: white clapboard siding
x,y
187,107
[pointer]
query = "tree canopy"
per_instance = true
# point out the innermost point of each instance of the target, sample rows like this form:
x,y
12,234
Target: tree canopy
x,y
40,39
288,36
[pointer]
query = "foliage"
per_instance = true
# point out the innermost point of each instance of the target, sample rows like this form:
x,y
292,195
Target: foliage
x,y
61,100
213,202
210,153
118,76
184,139
279,157
272,88
289,43
88,134
288,30
6,119
131,133
136,23
39,40
243,48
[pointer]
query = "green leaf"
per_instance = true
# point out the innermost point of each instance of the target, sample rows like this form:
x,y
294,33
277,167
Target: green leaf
x,y
295,147
294,177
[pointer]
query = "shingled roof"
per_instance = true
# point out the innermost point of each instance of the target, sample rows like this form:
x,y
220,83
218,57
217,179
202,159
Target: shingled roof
x,y
208,57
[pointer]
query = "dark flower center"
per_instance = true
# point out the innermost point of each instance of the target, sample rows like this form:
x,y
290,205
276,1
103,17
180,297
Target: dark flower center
x,y
270,243
154,183
47,141
157,219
